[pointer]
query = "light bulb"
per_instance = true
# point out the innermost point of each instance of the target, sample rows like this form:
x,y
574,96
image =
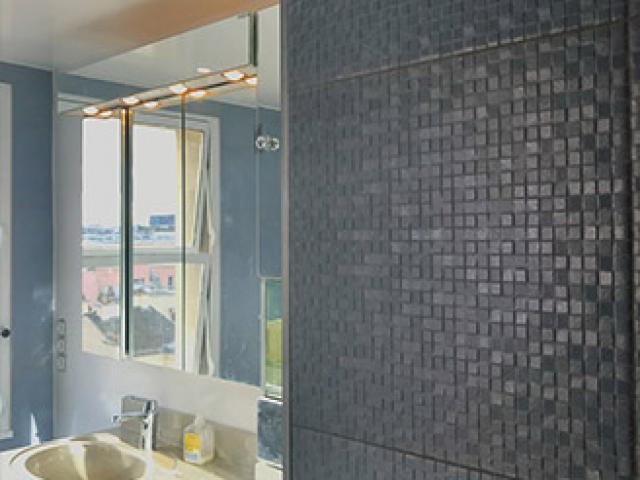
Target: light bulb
x,y
178,88
251,81
151,104
131,101
92,110
203,70
233,75
106,114
197,94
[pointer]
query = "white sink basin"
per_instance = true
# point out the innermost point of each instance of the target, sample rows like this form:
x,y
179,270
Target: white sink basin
x,y
86,459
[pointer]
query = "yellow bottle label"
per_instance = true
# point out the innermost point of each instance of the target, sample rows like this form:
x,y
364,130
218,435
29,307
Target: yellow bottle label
x,y
192,443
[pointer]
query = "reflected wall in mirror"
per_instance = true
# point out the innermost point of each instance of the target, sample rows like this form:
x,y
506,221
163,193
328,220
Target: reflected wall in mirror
x,y
182,244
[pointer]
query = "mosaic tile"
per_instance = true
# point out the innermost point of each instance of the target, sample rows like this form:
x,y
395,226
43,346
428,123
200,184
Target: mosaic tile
x,y
332,38
322,457
460,259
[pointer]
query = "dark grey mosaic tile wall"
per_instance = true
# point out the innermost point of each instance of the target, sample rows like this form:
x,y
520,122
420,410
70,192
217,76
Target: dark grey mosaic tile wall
x,y
634,63
326,456
460,243
337,37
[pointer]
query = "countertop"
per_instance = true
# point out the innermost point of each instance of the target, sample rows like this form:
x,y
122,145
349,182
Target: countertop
x,y
167,463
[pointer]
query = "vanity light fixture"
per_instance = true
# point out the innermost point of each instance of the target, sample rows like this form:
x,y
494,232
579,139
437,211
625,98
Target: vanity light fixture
x,y
197,94
91,110
131,101
233,75
205,86
178,88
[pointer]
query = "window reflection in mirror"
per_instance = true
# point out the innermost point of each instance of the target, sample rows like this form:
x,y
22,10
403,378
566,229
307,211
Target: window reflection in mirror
x,y
157,246
272,314
101,237
202,233
167,295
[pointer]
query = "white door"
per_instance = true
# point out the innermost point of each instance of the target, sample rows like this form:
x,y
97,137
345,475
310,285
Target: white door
x,y
5,261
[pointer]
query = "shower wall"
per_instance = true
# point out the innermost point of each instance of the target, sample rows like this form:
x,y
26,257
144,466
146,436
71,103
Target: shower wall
x,y
464,209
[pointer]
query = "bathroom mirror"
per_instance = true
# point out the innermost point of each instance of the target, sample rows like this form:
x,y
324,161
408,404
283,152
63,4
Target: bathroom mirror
x,y
181,223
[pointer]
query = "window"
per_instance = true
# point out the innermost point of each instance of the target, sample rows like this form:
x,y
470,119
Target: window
x,y
163,326
101,249
173,258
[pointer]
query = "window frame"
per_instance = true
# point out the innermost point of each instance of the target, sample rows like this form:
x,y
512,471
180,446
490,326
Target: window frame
x,y
209,168
208,333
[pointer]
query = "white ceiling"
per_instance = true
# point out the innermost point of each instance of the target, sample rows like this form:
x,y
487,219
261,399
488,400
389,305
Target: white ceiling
x,y
66,34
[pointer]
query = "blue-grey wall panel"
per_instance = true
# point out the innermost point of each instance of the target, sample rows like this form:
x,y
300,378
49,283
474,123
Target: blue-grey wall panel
x,y
270,199
32,254
241,349
460,251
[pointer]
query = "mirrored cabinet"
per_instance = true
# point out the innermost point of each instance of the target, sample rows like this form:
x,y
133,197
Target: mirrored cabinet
x,y
181,201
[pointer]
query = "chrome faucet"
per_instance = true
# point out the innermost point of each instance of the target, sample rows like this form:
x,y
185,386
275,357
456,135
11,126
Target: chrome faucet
x,y
146,412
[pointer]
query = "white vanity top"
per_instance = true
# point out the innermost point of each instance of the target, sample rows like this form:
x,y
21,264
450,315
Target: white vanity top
x,y
167,464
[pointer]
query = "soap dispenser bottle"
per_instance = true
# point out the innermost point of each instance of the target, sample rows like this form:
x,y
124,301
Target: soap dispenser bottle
x,y
198,442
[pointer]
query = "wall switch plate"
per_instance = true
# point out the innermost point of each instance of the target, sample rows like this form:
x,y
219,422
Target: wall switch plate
x,y
61,363
61,327
60,344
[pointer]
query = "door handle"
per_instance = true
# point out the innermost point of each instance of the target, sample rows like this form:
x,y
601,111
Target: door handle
x,y
5,332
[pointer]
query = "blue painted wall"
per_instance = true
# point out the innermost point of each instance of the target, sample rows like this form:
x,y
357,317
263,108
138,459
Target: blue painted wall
x,y
32,258
270,192
250,236
250,233
240,295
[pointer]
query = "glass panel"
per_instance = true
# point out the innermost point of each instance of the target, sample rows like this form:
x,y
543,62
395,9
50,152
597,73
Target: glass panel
x,y
101,237
268,146
164,310
157,244
272,305
194,197
155,312
197,239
